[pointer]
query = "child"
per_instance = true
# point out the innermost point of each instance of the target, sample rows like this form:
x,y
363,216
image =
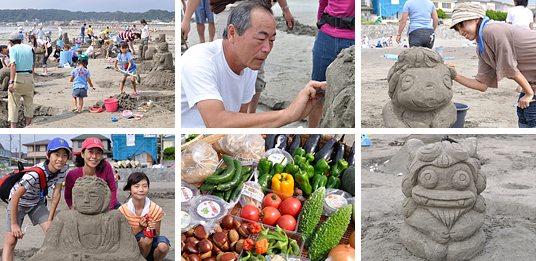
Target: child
x,y
24,197
144,217
81,77
128,65
46,46
57,53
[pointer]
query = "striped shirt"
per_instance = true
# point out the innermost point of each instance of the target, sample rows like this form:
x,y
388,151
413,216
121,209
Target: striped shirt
x,y
155,213
126,36
30,181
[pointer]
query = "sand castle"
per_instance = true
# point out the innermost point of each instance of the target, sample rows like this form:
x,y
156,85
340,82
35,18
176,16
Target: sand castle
x,y
91,231
420,88
443,210
163,59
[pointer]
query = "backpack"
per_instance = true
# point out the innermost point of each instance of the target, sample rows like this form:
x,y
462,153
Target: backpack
x,y
10,179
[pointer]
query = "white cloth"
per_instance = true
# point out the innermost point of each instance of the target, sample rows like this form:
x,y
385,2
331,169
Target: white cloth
x,y
207,76
60,31
89,51
132,209
520,16
144,31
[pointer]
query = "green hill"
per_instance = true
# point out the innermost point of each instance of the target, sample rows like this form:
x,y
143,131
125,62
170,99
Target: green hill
x,y
44,15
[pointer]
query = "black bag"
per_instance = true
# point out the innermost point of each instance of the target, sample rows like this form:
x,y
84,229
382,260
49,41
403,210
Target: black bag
x,y
10,179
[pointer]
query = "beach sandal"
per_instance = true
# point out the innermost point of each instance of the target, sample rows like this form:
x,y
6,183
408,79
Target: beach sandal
x,y
134,94
73,110
44,75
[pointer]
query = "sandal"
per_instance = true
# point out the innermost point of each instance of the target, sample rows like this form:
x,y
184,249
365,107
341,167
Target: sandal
x,y
134,94
73,110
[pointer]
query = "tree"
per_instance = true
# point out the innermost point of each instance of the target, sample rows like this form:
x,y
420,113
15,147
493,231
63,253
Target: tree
x,y
496,15
441,13
169,153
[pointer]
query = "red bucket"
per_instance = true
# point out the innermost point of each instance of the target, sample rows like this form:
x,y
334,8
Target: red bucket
x,y
110,105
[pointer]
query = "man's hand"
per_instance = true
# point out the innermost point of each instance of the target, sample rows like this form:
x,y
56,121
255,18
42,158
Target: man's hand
x,y
289,18
398,38
305,100
185,29
11,87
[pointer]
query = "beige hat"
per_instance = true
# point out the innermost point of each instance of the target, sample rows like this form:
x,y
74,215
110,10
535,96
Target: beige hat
x,y
14,36
466,11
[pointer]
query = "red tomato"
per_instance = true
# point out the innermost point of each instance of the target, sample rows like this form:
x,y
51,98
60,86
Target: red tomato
x,y
291,206
287,222
272,200
250,212
270,215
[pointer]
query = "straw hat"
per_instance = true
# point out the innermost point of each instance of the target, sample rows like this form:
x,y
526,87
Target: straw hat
x,y
466,11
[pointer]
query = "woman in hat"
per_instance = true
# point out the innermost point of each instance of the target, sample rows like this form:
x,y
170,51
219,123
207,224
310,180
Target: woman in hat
x,y
90,163
503,51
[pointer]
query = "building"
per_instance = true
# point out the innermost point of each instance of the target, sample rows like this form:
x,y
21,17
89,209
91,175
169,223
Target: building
x,y
36,151
106,143
5,156
168,141
446,5
140,147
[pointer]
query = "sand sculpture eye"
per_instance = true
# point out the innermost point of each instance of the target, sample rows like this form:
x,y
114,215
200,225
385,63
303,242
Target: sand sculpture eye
x,y
447,81
406,82
461,180
428,179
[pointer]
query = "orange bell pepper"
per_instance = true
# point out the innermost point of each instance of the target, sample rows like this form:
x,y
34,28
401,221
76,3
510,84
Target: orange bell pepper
x,y
283,185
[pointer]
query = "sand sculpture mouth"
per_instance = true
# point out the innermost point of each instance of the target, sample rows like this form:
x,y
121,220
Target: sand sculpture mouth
x,y
444,199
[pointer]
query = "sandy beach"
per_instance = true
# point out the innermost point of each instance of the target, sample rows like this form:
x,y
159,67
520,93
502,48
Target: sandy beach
x,y
491,109
53,99
509,226
162,193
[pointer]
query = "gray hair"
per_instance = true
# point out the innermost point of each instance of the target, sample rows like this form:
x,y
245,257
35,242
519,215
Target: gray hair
x,y
240,17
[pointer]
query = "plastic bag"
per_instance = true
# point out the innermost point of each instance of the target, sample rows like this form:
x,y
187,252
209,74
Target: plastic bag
x,y
244,147
198,162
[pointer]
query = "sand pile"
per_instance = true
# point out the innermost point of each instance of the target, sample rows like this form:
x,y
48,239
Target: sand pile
x,y
159,80
299,28
339,110
39,110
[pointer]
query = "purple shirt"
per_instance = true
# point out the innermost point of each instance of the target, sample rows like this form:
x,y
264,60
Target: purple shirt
x,y
339,8
107,175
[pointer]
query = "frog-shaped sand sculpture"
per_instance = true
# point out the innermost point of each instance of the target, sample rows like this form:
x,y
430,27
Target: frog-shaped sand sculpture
x,y
420,88
443,210
91,231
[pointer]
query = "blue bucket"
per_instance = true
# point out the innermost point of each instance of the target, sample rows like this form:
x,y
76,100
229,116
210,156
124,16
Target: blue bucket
x,y
66,57
365,140
77,45
461,111
60,43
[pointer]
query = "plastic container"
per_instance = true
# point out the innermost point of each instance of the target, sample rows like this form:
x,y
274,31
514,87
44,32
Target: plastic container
x,y
335,199
110,105
300,238
188,192
278,155
461,111
187,222
365,140
77,45
65,57
60,43
289,258
439,50
208,210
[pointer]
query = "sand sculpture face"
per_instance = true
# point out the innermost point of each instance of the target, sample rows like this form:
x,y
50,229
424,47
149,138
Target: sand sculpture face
x,y
91,196
420,88
443,209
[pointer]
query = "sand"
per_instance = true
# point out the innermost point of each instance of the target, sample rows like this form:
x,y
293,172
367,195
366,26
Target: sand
x,y
509,226
162,193
491,109
53,96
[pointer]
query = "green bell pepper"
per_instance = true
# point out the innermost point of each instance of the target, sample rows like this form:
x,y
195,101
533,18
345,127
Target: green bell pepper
x,y
302,180
310,157
322,166
310,170
338,169
298,151
319,180
265,180
298,160
278,168
265,165
333,182
291,169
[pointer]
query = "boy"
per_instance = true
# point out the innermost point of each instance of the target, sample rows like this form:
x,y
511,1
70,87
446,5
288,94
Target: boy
x,y
24,197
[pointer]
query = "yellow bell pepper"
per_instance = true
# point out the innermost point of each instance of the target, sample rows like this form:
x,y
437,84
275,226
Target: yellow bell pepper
x,y
283,185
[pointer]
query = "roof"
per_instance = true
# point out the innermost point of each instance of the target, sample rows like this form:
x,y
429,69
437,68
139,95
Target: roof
x,y
170,137
1,147
85,136
39,142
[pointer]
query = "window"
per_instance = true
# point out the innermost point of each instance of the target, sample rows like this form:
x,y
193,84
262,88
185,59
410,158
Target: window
x,y
445,5
37,148
80,144
436,5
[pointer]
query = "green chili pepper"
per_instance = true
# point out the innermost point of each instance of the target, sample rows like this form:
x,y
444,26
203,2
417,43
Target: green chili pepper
x,y
291,168
310,157
265,180
246,174
254,258
260,257
265,165
227,195
227,175
302,180
219,194
310,170
319,180
294,247
247,257
322,166
298,160
338,169
333,182
217,173
278,168
298,151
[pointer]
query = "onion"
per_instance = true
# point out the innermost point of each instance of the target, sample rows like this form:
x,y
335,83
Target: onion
x,y
352,240
342,253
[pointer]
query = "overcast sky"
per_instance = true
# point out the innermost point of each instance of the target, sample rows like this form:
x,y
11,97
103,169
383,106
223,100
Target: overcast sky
x,y
92,5
28,138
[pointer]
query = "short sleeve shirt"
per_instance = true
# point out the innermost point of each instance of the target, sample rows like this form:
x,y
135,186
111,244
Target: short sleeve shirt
x,y
22,56
126,36
82,30
520,16
80,77
155,213
123,60
144,31
420,14
30,181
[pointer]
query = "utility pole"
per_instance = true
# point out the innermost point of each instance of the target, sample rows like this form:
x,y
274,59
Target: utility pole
x,y
20,150
161,148
9,164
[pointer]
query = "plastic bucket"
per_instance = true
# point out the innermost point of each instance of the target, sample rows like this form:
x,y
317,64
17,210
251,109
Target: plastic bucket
x,y
461,111
110,105
439,50
65,57
77,45
60,43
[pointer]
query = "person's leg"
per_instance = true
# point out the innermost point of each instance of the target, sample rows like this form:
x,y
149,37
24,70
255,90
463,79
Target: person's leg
x,y
9,246
200,19
75,106
144,243
210,17
161,251
80,104
27,98
211,31
122,84
133,80
13,99
201,32
220,23
527,116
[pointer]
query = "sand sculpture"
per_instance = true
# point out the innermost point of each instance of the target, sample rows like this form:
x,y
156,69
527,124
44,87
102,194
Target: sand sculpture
x,y
142,49
91,231
420,88
66,39
163,59
443,210
149,54
4,78
339,110
160,39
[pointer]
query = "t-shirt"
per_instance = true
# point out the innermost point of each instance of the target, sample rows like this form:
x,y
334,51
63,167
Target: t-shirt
x,y
22,56
420,14
123,59
145,31
41,42
89,51
80,77
155,213
82,30
126,36
207,76
90,31
30,181
520,16
107,175
339,8
40,33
